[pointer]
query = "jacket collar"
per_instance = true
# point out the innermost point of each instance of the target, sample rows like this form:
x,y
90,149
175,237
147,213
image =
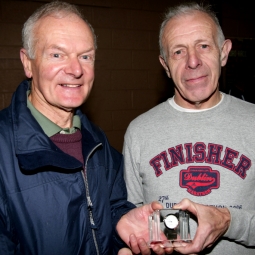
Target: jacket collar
x,y
33,148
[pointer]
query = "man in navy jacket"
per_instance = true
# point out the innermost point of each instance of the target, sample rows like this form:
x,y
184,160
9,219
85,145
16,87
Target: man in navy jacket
x,y
61,183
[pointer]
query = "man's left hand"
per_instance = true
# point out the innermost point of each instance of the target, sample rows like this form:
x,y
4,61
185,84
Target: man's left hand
x,y
133,230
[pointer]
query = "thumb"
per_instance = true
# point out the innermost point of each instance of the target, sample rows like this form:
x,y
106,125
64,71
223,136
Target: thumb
x,y
155,205
125,251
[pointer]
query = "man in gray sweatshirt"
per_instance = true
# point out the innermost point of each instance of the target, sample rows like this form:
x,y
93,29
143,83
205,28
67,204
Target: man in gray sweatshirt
x,y
196,150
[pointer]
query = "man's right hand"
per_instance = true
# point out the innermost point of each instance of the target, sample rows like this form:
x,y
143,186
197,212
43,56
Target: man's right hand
x,y
212,224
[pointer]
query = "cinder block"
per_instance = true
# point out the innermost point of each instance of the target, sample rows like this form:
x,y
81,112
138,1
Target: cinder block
x,y
102,119
102,3
9,52
130,39
158,80
154,41
104,38
145,60
121,119
10,34
7,99
124,4
114,59
10,79
230,27
113,18
2,101
116,100
145,99
102,81
144,20
10,64
129,79
18,11
158,6
116,139
244,28
92,106
88,13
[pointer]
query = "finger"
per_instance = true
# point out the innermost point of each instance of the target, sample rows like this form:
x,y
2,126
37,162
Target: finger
x,y
143,246
125,251
158,250
188,205
134,244
184,204
169,250
155,205
188,249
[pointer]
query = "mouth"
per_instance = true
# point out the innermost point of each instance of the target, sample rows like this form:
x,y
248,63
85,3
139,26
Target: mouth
x,y
70,85
196,80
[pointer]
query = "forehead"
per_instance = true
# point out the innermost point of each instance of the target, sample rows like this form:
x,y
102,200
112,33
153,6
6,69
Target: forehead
x,y
70,27
194,26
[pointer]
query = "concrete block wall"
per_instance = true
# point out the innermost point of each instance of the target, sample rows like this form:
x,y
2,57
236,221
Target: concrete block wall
x,y
129,78
238,23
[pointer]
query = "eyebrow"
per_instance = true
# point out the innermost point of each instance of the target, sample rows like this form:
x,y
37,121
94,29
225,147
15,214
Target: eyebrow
x,y
205,41
57,47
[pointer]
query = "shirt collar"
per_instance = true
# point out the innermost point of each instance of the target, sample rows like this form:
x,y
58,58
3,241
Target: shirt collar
x,y
49,127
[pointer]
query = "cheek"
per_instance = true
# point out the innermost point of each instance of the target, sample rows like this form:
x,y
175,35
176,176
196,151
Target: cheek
x,y
177,72
89,74
49,72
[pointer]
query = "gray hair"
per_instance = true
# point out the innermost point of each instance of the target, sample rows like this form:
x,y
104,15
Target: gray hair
x,y
56,9
184,9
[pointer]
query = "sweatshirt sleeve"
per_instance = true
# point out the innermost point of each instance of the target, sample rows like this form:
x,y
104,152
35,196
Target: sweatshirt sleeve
x,y
131,169
242,227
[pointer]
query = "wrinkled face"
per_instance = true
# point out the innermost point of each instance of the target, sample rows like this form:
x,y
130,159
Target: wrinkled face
x,y
194,59
63,68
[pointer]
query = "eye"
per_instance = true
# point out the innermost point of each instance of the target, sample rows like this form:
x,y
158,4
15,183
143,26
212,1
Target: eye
x,y
204,46
56,55
88,58
177,54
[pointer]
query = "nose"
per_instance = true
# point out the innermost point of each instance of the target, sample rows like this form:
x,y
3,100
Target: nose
x,y
193,60
74,68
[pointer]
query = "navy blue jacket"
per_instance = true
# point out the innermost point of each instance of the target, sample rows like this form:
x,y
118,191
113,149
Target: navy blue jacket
x,y
48,206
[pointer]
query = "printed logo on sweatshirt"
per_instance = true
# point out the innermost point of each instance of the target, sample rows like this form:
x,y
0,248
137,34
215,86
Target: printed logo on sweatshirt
x,y
199,180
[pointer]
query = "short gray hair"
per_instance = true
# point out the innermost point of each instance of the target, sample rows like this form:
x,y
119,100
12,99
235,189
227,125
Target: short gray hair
x,y
184,9
56,9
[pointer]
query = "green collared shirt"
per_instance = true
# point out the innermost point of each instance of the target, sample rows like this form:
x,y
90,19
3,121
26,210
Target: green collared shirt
x,y
49,127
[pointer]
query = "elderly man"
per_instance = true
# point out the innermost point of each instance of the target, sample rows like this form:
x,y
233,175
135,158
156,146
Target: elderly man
x,y
198,145
61,184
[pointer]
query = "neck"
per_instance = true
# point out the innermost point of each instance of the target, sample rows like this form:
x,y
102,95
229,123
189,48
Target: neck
x,y
60,117
198,104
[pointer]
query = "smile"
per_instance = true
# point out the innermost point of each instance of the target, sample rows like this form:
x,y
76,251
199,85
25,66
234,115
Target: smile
x,y
70,85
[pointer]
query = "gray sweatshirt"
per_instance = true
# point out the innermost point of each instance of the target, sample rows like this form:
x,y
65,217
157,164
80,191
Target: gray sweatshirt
x,y
206,156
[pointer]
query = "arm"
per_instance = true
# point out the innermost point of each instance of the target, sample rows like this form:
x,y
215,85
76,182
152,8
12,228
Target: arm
x,y
8,244
242,227
133,180
131,223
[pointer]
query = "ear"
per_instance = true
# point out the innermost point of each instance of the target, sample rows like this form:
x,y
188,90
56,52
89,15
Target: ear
x,y
163,63
227,45
26,61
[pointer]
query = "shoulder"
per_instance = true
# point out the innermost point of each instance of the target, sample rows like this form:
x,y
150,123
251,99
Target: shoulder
x,y
146,124
152,116
237,105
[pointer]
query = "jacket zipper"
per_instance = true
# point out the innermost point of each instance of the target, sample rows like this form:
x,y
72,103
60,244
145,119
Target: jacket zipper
x,y
84,174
